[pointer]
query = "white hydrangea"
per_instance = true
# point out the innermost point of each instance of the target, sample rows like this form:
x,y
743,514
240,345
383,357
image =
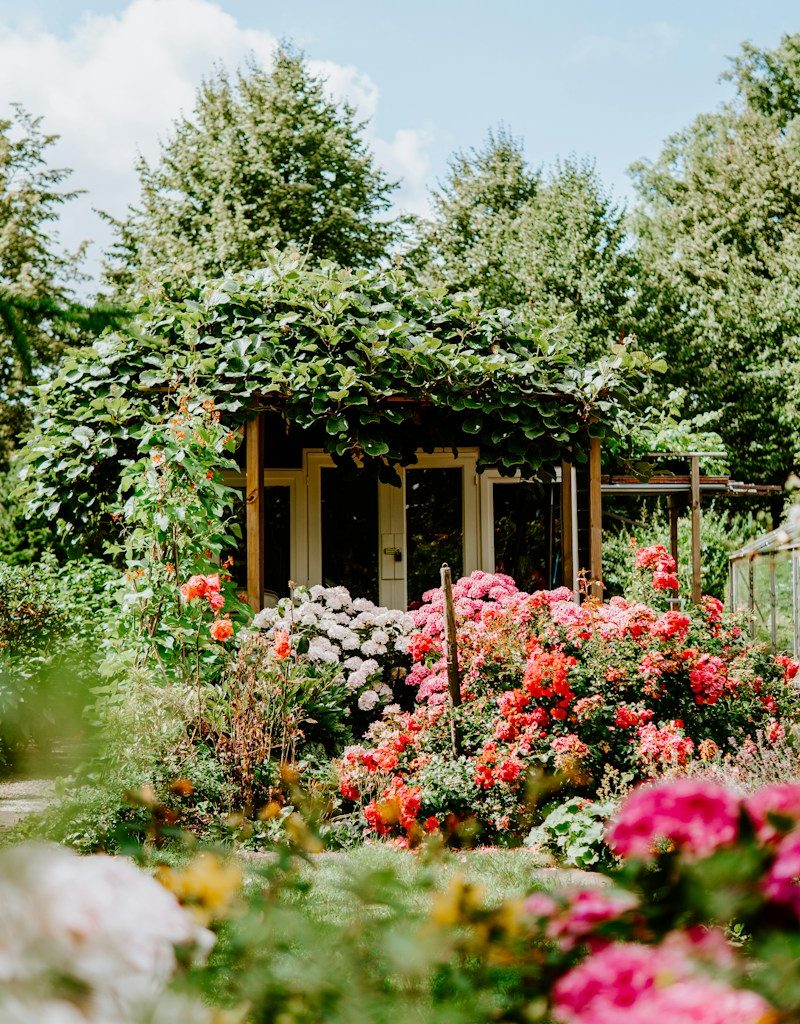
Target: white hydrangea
x,y
352,633
99,921
368,700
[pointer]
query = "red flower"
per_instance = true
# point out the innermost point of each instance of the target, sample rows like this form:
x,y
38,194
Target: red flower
x,y
281,645
418,646
195,586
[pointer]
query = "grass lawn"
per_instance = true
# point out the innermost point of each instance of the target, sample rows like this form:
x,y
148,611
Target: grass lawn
x,y
361,878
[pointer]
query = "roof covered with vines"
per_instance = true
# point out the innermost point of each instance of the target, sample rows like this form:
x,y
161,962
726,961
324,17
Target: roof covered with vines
x,y
364,357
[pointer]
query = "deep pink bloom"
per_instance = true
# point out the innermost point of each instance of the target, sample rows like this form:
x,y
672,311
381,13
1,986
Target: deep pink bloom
x,y
695,817
781,883
781,799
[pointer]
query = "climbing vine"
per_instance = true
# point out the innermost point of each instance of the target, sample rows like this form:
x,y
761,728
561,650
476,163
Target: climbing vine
x,y
364,357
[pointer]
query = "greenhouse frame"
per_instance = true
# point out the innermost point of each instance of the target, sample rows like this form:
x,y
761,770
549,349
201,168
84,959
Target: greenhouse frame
x,y
765,581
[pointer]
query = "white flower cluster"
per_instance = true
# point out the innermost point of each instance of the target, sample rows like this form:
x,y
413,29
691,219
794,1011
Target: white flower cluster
x,y
355,634
88,940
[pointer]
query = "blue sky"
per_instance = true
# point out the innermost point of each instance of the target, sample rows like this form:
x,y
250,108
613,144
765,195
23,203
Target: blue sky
x,y
609,80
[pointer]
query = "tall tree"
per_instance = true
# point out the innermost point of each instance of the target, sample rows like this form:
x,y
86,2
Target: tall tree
x,y
266,159
516,235
476,212
718,241
38,311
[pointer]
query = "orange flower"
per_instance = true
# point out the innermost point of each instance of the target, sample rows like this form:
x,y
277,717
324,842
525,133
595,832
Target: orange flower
x,y
221,630
195,586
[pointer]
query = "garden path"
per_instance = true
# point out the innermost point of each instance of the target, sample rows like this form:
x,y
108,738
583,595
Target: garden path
x,y
21,797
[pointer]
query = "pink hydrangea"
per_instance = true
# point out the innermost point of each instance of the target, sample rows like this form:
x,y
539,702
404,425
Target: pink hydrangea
x,y
695,817
781,799
781,882
625,983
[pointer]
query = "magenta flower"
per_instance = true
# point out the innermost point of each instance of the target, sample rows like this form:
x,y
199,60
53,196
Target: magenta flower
x,y
696,817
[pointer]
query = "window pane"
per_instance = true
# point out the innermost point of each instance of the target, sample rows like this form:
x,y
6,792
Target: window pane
x,y
434,527
350,531
277,539
523,535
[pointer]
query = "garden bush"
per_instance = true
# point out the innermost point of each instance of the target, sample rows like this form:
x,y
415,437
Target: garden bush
x,y
53,620
723,531
553,688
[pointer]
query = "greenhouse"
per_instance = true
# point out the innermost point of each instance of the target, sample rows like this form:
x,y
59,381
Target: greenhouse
x,y
765,580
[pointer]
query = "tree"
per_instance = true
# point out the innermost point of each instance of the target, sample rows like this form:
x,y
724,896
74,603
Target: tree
x,y
475,218
718,242
38,311
517,236
266,160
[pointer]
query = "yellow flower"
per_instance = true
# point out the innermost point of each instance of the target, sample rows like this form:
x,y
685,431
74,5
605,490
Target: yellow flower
x,y
458,903
207,886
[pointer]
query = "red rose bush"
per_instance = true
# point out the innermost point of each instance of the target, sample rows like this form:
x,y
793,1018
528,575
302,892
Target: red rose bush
x,y
555,687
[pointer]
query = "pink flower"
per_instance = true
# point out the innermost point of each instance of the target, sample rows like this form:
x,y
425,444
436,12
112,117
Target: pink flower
x,y
626,983
664,747
781,800
696,817
586,911
281,645
215,600
709,679
781,882
665,580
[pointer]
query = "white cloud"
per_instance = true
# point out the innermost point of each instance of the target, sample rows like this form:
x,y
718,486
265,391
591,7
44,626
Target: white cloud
x,y
112,88
635,48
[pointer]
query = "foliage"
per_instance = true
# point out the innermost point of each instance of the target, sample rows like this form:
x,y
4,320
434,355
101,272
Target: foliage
x,y
568,690
724,530
333,350
265,160
718,241
514,236
575,829
173,511
698,924
38,311
52,619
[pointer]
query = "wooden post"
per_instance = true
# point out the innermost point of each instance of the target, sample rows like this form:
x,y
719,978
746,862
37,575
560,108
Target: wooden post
x,y
697,582
795,603
751,597
673,527
773,605
451,647
567,547
254,450
595,521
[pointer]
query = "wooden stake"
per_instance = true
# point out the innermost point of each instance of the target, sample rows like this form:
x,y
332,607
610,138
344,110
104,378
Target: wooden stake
x,y
595,520
254,451
697,582
451,647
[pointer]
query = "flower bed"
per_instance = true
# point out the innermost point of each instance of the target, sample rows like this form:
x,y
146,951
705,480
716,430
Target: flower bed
x,y
555,687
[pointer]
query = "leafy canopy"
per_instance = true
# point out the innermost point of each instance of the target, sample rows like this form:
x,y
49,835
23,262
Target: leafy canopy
x,y
555,241
718,241
266,159
378,366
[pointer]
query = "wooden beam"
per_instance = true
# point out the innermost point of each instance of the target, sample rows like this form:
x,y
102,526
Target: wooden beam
x,y
697,582
451,645
254,451
567,547
595,520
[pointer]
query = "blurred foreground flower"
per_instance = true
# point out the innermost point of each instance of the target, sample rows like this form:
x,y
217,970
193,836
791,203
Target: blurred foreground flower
x,y
89,939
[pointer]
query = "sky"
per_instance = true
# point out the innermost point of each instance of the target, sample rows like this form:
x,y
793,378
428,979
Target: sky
x,y
608,79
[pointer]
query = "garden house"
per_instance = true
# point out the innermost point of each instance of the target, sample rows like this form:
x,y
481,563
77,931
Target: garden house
x,y
387,428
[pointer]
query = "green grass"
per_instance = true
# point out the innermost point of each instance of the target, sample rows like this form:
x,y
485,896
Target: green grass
x,y
339,882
